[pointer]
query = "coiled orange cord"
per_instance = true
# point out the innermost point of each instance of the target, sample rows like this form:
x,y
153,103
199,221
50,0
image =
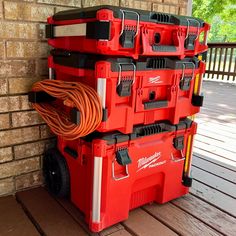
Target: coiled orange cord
x,y
74,94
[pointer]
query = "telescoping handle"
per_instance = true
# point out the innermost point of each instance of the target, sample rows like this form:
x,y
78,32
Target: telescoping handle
x,y
93,30
155,104
158,46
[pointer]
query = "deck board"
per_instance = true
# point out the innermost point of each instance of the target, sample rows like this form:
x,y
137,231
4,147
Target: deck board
x,y
78,216
214,181
179,220
214,168
11,211
214,197
143,224
207,213
49,215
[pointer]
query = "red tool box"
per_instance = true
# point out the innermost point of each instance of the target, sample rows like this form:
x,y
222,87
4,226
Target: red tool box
x,y
117,31
135,92
113,173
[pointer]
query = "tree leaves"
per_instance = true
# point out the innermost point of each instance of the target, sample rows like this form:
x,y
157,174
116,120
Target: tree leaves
x,y
221,14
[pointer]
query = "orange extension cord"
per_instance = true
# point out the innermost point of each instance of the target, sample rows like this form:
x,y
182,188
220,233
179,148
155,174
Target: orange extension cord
x,y
73,94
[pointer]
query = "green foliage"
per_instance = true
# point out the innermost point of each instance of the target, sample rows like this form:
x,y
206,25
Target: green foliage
x,y
221,14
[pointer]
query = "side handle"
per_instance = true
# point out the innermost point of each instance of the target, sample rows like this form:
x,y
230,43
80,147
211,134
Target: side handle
x,y
155,104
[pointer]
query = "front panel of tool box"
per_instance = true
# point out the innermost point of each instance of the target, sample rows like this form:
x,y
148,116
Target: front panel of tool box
x,y
155,174
160,96
155,95
151,39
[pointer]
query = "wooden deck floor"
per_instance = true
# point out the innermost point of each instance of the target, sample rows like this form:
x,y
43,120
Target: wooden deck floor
x,y
210,209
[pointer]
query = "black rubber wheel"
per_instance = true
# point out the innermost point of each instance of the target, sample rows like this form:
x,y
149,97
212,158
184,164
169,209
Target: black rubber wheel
x,y
56,174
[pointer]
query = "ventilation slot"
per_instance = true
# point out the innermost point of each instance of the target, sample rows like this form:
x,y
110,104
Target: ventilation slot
x,y
163,18
156,63
152,129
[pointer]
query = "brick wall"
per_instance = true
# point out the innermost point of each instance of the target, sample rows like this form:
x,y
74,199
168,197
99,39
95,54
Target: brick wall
x,y
23,134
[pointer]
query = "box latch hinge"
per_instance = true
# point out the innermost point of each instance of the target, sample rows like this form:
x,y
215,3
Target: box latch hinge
x,y
179,143
125,83
122,157
185,83
128,32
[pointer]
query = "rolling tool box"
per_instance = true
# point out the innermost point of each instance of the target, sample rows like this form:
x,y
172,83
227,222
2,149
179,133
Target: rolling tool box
x,y
135,92
128,32
113,173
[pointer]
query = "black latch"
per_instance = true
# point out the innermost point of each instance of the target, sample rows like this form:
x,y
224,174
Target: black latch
x,y
41,96
122,157
127,39
187,181
75,116
179,143
190,41
197,100
71,152
185,83
49,31
124,88
104,114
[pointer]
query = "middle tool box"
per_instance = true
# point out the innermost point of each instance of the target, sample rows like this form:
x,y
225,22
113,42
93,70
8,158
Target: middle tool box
x,y
128,32
112,173
135,92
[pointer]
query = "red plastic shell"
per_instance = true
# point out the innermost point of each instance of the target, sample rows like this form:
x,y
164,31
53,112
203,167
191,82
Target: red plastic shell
x,y
155,175
170,35
125,112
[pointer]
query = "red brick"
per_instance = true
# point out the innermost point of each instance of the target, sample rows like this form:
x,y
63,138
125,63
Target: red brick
x,y
45,132
6,186
14,103
16,30
21,85
32,179
9,68
2,49
3,86
89,3
136,4
4,121
6,154
19,167
27,11
27,49
31,149
69,3
26,118
16,136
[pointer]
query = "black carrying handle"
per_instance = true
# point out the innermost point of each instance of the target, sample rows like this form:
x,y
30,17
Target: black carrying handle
x,y
155,104
160,17
153,129
164,48
71,152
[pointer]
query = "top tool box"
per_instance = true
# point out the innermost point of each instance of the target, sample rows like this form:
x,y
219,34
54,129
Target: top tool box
x,y
135,92
113,173
128,32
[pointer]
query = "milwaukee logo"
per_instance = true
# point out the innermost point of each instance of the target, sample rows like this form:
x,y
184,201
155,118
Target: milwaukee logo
x,y
155,80
150,162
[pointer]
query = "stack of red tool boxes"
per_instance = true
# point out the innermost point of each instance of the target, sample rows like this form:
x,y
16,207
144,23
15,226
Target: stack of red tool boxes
x,y
147,69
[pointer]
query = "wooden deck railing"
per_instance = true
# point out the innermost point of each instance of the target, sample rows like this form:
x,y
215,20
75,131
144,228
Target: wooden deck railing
x,y
221,62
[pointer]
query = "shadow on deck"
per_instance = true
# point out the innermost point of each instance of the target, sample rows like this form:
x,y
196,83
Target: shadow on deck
x,y
210,208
